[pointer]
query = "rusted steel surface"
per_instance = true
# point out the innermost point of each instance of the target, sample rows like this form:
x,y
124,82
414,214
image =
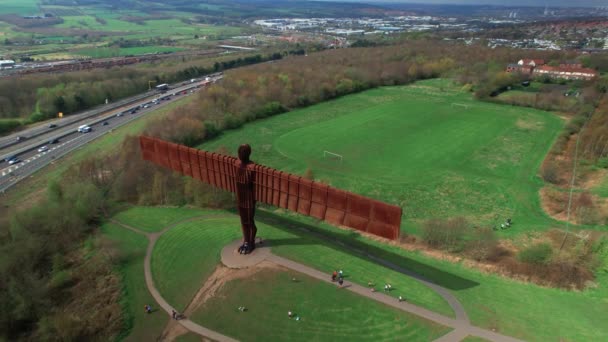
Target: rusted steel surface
x,y
280,189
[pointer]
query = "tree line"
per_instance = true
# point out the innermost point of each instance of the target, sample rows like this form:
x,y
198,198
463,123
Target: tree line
x,y
39,97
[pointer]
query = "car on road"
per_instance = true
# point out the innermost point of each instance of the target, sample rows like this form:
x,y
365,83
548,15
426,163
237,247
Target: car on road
x,y
20,138
9,158
53,141
105,123
43,149
14,161
120,114
52,125
147,105
84,129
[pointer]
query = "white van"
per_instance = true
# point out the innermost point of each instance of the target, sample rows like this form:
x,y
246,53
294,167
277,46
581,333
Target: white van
x,y
84,129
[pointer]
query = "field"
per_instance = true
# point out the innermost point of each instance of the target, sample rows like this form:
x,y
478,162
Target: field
x,y
93,30
140,326
115,52
22,7
327,313
188,252
411,146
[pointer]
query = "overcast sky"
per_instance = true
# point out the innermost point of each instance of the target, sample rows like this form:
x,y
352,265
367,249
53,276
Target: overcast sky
x,y
550,3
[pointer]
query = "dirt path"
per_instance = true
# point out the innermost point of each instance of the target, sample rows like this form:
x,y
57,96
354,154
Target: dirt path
x,y
462,326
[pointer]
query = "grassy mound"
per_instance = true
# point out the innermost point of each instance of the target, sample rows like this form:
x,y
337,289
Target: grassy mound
x,y
186,255
327,313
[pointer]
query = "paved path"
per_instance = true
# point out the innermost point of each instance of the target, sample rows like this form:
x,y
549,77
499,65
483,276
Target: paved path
x,y
186,323
462,326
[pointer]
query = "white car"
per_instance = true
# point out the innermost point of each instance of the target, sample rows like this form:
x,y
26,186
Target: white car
x,y
43,149
14,161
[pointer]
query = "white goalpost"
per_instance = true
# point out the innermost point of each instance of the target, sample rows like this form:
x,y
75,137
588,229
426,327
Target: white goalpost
x,y
460,105
332,156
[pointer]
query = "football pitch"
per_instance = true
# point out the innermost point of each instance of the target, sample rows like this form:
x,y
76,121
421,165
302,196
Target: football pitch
x,y
427,147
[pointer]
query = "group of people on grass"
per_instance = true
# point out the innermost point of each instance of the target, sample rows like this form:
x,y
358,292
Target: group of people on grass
x,y
505,225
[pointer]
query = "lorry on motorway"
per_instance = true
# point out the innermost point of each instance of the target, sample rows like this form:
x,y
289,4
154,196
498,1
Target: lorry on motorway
x,y
162,87
84,129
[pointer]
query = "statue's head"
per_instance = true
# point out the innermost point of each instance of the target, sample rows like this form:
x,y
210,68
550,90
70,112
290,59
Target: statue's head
x,y
244,153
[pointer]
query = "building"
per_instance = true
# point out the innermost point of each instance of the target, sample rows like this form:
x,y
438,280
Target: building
x,y
571,65
565,72
570,70
523,69
7,64
531,62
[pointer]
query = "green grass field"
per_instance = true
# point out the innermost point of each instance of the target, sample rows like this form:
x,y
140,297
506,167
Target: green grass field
x,y
154,219
21,7
149,28
515,308
327,313
187,254
409,145
139,325
114,52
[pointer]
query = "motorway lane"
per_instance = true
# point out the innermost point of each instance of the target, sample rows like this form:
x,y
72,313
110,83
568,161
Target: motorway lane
x,y
43,133
10,141
32,161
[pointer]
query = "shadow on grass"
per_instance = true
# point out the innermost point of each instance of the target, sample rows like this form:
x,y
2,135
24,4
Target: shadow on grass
x,y
353,244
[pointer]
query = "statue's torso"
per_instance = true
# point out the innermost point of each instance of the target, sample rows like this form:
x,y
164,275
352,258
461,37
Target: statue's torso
x,y
245,175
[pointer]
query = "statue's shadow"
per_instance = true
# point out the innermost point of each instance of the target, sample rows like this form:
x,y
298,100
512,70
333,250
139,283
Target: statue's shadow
x,y
353,244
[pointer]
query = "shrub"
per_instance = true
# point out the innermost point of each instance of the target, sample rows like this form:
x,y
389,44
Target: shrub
x,y
536,254
483,244
550,174
7,125
447,234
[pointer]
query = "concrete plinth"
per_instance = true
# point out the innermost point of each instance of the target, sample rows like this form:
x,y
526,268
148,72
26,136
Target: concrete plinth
x,y
232,259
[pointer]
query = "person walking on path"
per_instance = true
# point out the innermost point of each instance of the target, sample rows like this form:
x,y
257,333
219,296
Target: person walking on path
x,y
340,281
334,275
340,274
174,314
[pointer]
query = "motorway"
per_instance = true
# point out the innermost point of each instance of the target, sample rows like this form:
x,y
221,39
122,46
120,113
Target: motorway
x,y
67,139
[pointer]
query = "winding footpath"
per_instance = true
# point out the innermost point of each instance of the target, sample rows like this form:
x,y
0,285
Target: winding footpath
x,y
461,324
